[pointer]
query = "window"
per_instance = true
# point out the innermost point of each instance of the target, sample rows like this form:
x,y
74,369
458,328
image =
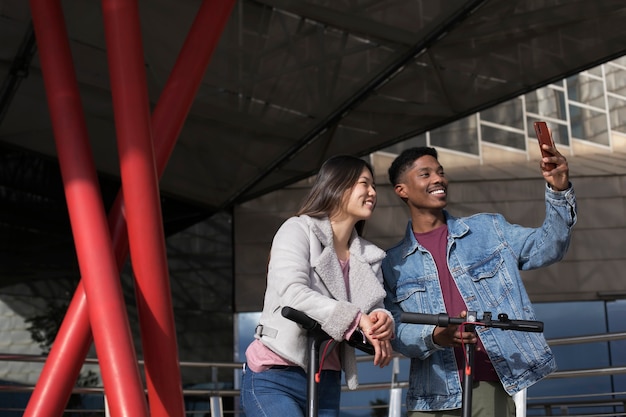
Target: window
x,y
589,125
461,136
617,114
585,89
503,137
509,113
616,80
547,102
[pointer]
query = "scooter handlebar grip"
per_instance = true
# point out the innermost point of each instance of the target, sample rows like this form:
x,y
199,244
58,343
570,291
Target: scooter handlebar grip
x,y
441,319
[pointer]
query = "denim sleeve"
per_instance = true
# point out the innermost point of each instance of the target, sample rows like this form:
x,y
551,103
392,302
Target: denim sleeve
x,y
547,244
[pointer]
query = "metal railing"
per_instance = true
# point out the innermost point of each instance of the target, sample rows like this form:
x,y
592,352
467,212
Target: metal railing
x,y
565,404
213,397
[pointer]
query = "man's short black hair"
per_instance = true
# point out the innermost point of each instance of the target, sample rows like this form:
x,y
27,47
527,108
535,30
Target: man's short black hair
x,y
405,160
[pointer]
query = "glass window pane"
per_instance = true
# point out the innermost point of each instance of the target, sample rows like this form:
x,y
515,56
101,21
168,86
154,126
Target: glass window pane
x,y
547,102
509,113
503,137
589,125
617,114
621,61
584,89
461,136
597,71
616,80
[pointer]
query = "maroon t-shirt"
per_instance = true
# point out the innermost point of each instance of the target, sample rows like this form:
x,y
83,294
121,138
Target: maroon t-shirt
x,y
435,242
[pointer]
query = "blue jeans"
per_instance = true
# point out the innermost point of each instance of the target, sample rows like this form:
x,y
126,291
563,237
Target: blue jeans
x,y
282,391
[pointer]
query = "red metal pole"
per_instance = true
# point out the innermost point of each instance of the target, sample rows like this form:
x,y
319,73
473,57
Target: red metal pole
x,y
107,312
177,97
142,202
168,119
50,396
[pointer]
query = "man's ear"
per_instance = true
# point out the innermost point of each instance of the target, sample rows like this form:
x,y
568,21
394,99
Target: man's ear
x,y
399,190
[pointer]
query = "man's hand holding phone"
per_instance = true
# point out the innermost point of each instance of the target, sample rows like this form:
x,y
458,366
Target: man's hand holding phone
x,y
545,138
553,165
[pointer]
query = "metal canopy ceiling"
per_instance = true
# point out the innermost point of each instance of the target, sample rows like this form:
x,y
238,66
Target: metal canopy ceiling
x,y
291,83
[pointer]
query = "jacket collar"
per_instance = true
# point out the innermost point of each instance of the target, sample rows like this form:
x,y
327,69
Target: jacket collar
x,y
358,247
457,228
362,255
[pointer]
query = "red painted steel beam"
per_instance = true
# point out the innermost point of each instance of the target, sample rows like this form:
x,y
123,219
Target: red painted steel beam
x,y
154,302
55,383
143,208
177,97
65,360
106,308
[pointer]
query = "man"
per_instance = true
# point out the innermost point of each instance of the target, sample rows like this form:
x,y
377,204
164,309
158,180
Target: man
x,y
446,264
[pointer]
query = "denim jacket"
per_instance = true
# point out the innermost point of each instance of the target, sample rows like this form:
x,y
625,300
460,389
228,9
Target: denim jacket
x,y
485,254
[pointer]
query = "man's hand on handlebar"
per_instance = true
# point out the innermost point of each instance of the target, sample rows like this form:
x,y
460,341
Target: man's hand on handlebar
x,y
451,336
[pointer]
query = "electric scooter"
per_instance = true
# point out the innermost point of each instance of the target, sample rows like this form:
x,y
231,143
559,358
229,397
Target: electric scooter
x,y
470,322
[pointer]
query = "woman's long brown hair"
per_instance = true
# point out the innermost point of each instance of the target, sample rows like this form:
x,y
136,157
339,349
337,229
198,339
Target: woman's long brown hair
x,y
338,174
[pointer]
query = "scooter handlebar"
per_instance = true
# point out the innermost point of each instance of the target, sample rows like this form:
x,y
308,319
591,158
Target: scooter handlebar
x,y
442,319
503,322
299,317
314,328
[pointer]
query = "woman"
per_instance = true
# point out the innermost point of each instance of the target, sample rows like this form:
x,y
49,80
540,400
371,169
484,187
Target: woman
x,y
321,266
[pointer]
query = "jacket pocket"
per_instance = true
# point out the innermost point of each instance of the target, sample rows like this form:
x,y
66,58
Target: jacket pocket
x,y
491,280
409,293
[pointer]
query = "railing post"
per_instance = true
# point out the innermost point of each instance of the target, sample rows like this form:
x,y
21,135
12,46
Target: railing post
x,y
217,409
107,411
395,393
520,403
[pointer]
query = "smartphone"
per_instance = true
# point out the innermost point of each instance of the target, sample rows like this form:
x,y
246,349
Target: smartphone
x,y
543,136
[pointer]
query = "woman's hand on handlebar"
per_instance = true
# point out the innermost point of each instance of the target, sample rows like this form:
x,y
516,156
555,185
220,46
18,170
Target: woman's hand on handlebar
x,y
382,348
382,325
